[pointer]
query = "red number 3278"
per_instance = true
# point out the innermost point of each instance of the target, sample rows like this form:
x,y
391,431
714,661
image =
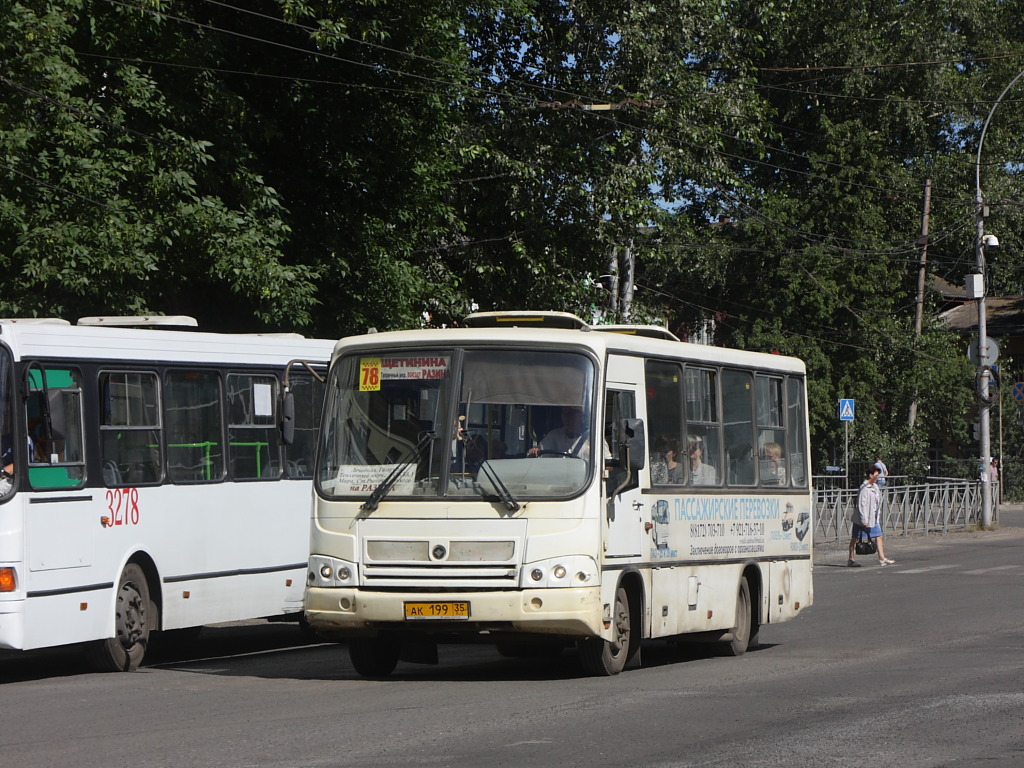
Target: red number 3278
x,y
123,506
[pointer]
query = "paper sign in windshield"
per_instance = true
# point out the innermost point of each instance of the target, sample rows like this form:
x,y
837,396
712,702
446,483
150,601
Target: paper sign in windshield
x,y
363,478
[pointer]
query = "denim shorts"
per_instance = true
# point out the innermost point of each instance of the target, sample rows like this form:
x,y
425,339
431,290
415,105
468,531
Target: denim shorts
x,y
858,529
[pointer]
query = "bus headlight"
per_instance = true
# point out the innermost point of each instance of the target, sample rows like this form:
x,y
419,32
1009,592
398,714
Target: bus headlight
x,y
330,572
556,573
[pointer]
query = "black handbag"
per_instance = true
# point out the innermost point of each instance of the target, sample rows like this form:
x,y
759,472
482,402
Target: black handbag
x,y
865,545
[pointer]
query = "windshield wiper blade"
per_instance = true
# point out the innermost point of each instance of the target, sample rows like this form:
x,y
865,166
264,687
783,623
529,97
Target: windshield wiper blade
x,y
502,490
388,483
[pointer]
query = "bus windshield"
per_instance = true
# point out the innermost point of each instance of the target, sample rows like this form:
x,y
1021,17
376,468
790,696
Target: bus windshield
x,y
506,424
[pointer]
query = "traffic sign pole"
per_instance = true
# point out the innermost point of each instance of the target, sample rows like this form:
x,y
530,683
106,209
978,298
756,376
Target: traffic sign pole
x,y
847,409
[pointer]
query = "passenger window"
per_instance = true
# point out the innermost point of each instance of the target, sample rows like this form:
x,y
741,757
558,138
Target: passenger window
x,y
737,413
254,442
54,422
195,443
308,394
702,449
130,449
771,434
664,386
797,431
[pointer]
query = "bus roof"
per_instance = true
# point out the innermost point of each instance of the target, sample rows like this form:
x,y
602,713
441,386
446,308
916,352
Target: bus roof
x,y
541,328
85,342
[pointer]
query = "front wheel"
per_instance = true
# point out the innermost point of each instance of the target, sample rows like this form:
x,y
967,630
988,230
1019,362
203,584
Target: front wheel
x,y
608,657
132,611
374,656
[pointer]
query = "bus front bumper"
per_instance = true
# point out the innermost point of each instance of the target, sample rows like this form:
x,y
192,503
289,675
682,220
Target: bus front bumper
x,y
343,612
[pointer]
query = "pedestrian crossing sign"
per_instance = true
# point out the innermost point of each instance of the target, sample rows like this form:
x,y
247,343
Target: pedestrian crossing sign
x,y
846,409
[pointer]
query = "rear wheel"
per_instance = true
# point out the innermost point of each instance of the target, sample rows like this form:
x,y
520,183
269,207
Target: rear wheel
x,y
608,657
374,656
744,632
132,625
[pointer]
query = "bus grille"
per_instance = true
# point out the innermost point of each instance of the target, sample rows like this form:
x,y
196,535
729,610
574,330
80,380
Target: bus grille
x,y
449,564
441,575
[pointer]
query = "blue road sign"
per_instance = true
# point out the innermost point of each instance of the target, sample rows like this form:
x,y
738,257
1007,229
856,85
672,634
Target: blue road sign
x,y
1018,391
846,409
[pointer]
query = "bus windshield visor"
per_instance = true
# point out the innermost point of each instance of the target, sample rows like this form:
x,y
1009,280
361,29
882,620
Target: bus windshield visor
x,y
505,425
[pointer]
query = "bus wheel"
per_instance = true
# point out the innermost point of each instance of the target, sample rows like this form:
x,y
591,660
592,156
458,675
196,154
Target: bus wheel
x,y
374,656
741,633
124,651
608,657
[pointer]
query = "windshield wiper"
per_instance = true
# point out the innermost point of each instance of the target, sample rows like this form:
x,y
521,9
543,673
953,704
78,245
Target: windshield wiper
x,y
500,488
388,483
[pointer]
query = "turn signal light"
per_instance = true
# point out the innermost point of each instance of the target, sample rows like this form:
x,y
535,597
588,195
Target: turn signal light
x,y
7,581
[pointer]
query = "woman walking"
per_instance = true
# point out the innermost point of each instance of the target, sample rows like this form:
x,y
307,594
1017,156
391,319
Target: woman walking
x,y
866,518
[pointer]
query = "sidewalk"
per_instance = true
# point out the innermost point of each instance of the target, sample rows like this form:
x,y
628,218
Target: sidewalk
x,y
1010,527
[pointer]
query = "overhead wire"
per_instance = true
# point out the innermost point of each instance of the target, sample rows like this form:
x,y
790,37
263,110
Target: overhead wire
x,y
483,75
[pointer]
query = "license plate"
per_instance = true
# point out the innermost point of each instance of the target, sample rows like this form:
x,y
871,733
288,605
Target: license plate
x,y
446,610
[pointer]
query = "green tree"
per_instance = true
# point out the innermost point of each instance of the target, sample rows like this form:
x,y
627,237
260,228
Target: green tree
x,y
864,101
110,201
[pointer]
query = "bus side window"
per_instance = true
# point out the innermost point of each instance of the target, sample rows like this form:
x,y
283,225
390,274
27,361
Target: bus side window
x,y
254,442
738,418
309,403
771,436
195,441
619,405
129,428
796,418
54,420
664,388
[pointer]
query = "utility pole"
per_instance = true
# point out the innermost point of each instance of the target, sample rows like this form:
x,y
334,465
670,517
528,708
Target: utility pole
x,y
983,362
921,274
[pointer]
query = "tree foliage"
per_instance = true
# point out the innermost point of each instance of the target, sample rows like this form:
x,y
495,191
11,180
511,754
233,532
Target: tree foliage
x,y
749,170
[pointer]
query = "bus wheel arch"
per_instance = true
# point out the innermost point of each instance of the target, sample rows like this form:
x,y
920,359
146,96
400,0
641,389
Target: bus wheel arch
x,y
602,657
755,583
135,618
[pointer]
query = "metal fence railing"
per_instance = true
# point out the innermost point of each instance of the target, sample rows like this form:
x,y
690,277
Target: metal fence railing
x,y
933,507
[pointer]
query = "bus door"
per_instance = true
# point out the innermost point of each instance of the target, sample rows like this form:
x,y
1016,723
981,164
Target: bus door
x,y
623,505
61,525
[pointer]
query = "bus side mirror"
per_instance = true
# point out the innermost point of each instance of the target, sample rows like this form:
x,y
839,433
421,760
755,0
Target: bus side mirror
x,y
634,441
288,419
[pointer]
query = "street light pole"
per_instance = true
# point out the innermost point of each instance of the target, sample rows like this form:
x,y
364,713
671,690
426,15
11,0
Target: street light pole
x,y
984,362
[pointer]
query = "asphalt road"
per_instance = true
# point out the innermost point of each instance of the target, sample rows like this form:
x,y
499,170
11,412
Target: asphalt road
x,y
919,664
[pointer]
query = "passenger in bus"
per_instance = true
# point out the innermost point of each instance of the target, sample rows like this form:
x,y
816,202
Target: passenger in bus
x,y
700,473
666,469
773,468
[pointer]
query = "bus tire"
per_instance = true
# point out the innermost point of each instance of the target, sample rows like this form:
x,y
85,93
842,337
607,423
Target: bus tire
x,y
603,658
132,613
742,633
374,656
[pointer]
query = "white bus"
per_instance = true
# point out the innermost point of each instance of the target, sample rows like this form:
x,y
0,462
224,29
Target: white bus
x,y
458,494
146,484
